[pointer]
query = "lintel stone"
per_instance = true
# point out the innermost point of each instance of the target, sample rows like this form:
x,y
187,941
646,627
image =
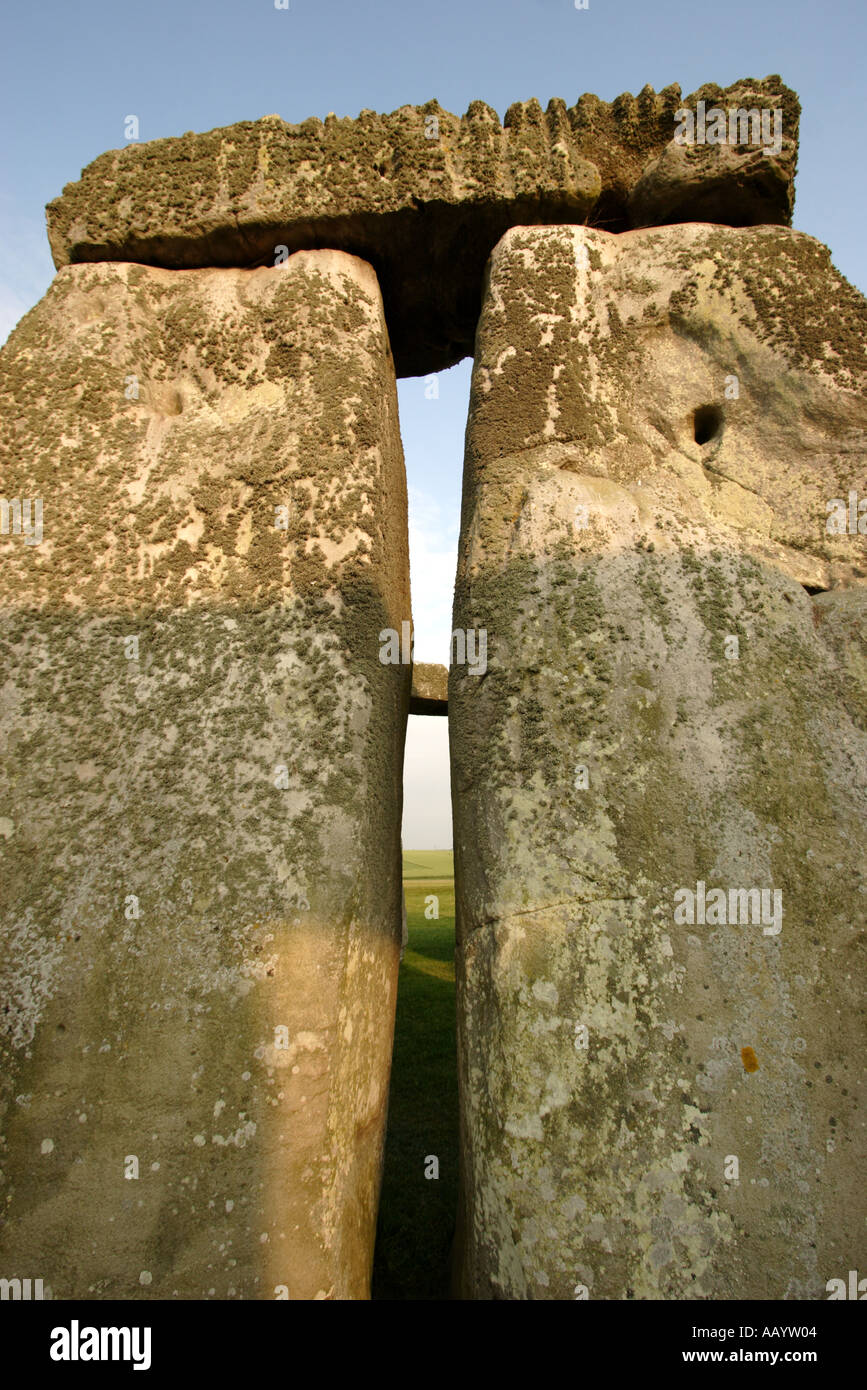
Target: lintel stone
x,y
424,195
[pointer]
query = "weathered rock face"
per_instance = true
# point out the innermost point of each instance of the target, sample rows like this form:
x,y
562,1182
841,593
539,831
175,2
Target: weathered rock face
x,y
717,374
659,1105
201,780
430,689
424,196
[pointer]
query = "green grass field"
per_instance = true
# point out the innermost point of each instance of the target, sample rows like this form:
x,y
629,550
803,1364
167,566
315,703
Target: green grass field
x,y
417,1214
428,863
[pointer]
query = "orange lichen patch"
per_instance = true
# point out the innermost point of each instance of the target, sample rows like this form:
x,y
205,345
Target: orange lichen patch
x,y
749,1059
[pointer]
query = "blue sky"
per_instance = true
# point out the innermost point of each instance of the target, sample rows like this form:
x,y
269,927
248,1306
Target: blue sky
x,y
73,72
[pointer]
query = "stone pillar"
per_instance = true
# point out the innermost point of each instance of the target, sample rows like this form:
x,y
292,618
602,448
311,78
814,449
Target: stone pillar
x,y
201,779
658,770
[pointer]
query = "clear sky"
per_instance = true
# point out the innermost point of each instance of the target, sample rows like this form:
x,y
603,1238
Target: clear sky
x,y
72,73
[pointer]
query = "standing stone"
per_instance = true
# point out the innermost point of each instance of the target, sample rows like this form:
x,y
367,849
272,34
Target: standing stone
x,y
200,800
658,1103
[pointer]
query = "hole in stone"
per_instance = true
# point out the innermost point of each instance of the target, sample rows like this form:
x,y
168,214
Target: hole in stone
x,y
418,1201
707,423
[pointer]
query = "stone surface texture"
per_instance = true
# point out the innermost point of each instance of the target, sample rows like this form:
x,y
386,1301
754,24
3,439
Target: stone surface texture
x,y
430,689
423,195
664,541
200,852
615,1059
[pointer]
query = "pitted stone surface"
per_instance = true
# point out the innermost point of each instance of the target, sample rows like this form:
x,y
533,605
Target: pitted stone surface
x,y
423,195
615,1058
200,854
615,355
